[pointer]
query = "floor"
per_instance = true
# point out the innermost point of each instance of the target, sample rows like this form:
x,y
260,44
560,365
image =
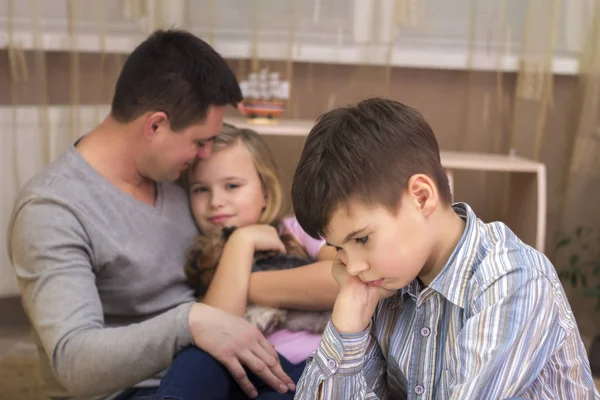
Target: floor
x,y
19,375
14,328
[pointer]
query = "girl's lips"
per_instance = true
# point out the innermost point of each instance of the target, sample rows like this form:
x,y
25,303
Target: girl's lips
x,y
219,219
375,283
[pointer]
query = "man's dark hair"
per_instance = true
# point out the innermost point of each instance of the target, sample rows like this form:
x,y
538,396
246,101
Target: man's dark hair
x,y
366,152
177,73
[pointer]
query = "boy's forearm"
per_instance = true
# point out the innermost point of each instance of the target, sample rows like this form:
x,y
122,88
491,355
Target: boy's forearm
x,y
351,313
311,287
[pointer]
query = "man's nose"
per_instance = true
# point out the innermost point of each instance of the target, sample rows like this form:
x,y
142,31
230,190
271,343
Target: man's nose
x,y
205,151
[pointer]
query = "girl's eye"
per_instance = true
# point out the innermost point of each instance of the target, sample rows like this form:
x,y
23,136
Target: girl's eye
x,y
362,240
199,189
231,186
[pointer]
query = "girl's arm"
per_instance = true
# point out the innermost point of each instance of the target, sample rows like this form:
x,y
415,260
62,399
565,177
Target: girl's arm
x,y
326,253
229,285
311,287
228,289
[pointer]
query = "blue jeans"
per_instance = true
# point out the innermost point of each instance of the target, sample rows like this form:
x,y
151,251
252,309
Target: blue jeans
x,y
195,374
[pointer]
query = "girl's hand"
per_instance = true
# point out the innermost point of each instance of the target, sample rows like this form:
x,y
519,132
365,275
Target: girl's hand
x,y
260,237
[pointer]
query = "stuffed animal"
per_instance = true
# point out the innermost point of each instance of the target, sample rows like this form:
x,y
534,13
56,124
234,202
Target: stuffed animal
x,y
203,259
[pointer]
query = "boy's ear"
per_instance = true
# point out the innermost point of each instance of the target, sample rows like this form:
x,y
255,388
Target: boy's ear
x,y
423,193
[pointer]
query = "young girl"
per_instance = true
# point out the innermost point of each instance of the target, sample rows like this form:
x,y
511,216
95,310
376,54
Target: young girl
x,y
238,186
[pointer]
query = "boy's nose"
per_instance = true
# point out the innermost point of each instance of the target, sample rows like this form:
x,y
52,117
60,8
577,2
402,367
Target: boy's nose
x,y
355,267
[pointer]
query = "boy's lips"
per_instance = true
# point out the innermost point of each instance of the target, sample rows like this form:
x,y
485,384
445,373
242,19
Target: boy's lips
x,y
377,282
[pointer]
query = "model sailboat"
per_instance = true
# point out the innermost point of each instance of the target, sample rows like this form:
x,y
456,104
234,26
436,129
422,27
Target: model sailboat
x,y
265,94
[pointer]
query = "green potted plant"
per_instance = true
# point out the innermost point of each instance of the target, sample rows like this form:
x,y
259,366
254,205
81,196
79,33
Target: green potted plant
x,y
581,249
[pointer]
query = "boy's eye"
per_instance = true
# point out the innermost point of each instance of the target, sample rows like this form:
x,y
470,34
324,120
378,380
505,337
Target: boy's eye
x,y
362,240
199,189
337,249
231,186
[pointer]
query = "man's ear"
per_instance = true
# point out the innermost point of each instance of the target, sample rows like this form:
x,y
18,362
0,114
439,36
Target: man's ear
x,y
156,123
422,191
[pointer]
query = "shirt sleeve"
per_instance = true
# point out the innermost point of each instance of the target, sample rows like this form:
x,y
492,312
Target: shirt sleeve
x,y
310,244
52,258
345,366
514,330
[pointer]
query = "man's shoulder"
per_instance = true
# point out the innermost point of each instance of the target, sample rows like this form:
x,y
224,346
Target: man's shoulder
x,y
58,180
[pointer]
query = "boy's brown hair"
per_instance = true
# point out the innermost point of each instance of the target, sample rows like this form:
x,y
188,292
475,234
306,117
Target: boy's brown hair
x,y
367,152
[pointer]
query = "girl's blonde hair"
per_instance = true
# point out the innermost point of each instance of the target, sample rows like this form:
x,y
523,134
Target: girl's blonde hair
x,y
205,254
263,162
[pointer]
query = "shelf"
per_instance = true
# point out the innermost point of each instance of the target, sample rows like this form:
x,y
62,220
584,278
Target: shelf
x,y
488,162
283,127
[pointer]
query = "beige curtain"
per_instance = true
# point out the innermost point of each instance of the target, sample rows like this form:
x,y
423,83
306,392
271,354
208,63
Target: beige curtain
x,y
582,175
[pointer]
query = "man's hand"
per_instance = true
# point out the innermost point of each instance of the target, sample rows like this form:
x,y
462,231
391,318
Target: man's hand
x,y
356,301
235,343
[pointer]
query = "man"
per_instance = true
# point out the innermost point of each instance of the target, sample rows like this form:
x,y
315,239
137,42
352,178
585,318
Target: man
x,y
98,237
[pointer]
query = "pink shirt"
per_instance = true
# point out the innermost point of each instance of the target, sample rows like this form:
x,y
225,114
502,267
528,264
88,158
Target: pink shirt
x,y
296,346
311,245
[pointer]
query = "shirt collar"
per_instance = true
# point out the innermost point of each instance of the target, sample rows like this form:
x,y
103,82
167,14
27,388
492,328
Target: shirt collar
x,y
452,280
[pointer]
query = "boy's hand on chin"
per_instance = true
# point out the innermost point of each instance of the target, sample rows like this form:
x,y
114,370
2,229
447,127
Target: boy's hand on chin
x,y
356,301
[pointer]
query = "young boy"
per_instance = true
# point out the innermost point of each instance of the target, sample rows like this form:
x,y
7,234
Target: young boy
x,y
433,302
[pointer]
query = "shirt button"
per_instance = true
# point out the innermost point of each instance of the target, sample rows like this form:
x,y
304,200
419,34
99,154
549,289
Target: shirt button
x,y
419,389
425,331
331,363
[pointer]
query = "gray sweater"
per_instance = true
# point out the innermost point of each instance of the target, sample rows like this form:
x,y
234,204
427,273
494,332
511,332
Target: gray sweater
x,y
101,276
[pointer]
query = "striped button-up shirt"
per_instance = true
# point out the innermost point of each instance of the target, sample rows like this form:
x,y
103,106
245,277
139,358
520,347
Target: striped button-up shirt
x,y
494,324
